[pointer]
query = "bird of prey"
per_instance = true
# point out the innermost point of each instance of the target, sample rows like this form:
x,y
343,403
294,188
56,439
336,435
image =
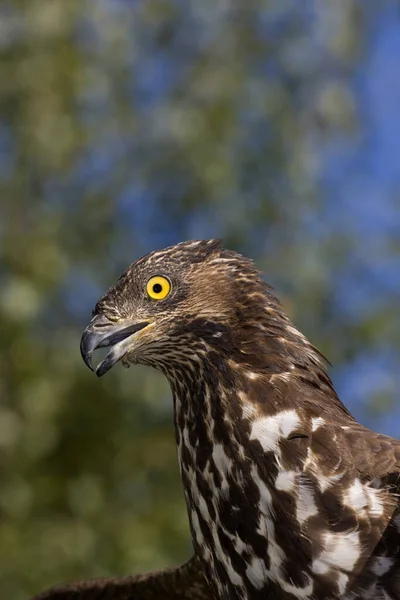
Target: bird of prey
x,y
288,496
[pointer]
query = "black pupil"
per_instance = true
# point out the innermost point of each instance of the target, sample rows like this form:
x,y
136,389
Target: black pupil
x,y
157,288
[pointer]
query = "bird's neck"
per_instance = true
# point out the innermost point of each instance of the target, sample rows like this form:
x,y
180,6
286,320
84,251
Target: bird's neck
x,y
219,395
219,390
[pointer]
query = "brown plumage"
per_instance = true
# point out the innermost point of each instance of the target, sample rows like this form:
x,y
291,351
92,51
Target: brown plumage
x,y
183,583
287,495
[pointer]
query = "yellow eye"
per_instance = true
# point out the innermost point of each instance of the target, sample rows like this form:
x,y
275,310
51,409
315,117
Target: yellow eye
x,y
158,287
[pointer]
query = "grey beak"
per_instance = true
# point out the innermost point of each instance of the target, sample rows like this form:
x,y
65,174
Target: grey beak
x,y
100,333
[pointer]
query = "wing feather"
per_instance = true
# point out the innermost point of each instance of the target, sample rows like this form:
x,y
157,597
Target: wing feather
x,y
182,583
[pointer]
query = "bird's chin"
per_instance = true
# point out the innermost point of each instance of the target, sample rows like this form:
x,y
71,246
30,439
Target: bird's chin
x,y
125,362
129,359
121,338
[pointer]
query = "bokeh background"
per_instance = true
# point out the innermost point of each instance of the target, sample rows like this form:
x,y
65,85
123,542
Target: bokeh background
x,y
126,126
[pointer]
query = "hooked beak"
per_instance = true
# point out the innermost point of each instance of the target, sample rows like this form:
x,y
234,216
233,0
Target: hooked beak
x,y
100,333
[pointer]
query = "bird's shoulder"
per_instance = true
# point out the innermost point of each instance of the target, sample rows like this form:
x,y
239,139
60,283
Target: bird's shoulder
x,y
332,483
318,427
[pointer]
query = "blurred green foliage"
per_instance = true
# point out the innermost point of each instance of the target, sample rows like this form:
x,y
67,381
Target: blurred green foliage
x,y
209,118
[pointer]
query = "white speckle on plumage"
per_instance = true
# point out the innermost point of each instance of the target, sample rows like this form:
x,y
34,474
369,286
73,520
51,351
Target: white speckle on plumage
x,y
204,509
317,422
257,572
381,565
221,460
196,528
355,497
286,481
251,375
364,499
266,505
249,411
270,430
376,501
341,552
305,505
276,554
342,582
233,576
326,481
185,435
302,593
283,376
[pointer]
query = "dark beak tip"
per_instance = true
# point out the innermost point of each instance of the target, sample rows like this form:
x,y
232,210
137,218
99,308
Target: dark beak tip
x,y
86,351
103,367
88,361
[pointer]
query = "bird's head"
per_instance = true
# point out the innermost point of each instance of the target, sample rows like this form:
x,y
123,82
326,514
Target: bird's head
x,y
177,303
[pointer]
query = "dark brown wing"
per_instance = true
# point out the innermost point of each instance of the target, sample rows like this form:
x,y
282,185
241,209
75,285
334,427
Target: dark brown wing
x,y
374,455
182,583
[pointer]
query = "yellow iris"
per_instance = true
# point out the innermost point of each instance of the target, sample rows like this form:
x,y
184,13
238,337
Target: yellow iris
x,y
158,287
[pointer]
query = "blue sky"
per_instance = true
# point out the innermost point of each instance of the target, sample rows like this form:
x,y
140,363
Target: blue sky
x,y
362,181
